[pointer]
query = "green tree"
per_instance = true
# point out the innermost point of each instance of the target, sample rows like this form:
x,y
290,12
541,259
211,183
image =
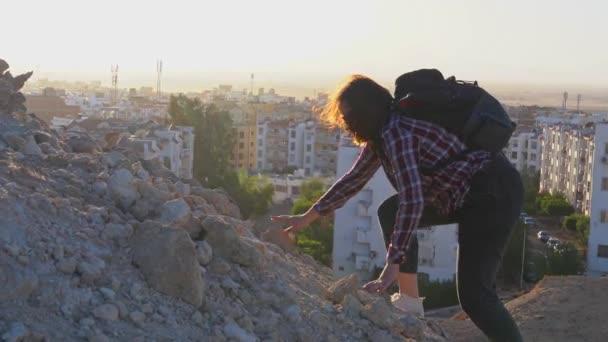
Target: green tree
x,y
531,182
317,239
582,230
253,194
214,138
564,260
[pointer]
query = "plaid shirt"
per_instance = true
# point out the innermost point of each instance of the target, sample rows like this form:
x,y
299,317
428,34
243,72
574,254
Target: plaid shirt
x,y
409,145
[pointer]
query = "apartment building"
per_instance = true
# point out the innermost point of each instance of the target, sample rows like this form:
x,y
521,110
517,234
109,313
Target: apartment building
x,y
524,150
244,127
313,147
575,162
272,144
358,240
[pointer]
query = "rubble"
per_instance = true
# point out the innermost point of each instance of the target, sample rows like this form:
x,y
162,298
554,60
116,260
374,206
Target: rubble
x,y
98,245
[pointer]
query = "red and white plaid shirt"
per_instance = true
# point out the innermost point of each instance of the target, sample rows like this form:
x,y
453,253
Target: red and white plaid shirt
x,y
410,145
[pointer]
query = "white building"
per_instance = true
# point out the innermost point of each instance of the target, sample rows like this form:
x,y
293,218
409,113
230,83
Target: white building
x,y
312,147
575,162
175,147
287,187
524,150
358,240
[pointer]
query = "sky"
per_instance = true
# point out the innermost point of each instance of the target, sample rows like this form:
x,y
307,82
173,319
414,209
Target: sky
x,y
313,41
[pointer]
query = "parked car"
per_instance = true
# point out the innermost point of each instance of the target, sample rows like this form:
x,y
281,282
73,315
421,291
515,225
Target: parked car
x,y
523,215
529,221
553,243
543,236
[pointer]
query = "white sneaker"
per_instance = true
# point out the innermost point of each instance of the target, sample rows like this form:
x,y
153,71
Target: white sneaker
x,y
408,304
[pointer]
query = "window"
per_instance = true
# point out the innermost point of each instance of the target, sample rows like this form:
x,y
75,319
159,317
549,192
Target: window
x,y
259,165
602,251
251,143
293,134
261,130
606,148
241,145
532,156
260,142
307,159
308,147
260,152
603,216
514,155
292,146
515,143
604,184
241,156
295,190
241,135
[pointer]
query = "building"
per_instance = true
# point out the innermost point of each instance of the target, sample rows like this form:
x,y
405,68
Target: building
x,y
244,127
313,148
358,240
48,105
524,150
287,187
575,163
272,144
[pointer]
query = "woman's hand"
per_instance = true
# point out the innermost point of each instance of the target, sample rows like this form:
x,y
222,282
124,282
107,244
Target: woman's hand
x,y
295,223
386,279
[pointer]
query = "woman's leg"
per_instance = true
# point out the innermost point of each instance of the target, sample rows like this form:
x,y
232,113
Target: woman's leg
x,y
485,224
407,278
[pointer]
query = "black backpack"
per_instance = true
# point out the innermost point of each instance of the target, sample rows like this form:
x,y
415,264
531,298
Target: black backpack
x,y
462,108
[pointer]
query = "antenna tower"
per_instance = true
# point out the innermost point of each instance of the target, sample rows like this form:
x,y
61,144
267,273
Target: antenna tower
x,y
159,71
114,69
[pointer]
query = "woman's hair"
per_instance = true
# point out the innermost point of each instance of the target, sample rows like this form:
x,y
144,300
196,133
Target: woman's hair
x,y
367,107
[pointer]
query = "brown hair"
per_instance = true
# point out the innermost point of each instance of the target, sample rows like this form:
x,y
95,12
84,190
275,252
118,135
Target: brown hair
x,y
368,106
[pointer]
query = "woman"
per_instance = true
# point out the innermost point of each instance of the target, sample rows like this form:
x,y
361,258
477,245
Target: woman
x,y
481,192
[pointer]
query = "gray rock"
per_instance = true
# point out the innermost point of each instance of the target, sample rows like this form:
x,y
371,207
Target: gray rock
x,y
91,269
30,147
219,266
204,252
379,313
122,189
115,231
227,243
167,258
107,293
42,137
228,283
137,317
107,312
182,189
233,330
346,285
351,306
13,140
220,200
197,317
99,338
17,282
147,308
100,188
293,313
114,158
175,212
16,333
67,265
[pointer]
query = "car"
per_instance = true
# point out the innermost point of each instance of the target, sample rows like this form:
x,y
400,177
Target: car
x,y
543,236
529,221
553,243
523,215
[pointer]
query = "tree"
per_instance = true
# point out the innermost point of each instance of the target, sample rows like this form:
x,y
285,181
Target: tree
x,y
564,260
214,138
316,240
253,194
554,205
531,182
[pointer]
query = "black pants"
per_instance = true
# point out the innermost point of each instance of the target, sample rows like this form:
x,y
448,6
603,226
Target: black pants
x,y
485,222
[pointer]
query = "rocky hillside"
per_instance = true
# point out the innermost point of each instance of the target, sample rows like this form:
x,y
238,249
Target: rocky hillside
x,y
97,245
558,309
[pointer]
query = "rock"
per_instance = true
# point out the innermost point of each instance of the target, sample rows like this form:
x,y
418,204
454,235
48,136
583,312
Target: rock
x,y
197,317
17,333
351,306
379,313
99,338
220,200
115,231
113,158
121,188
137,317
42,137
219,266
182,189
107,312
123,312
167,258
346,285
17,282
87,322
204,252
293,313
279,238
58,252
139,171
227,244
30,147
91,269
13,140
147,308
384,336
228,283
82,144
107,293
46,148
67,265
233,330
175,212
100,188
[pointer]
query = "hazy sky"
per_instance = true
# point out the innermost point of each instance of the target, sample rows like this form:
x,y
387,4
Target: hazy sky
x,y
532,41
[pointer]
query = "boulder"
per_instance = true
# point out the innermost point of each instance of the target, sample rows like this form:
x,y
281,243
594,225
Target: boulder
x,y
121,188
227,243
347,285
220,200
168,260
